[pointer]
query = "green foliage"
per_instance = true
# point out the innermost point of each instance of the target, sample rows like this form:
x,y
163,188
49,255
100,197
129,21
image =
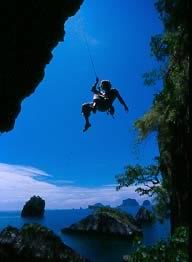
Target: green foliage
x,y
159,47
138,175
168,107
172,13
169,115
148,123
150,182
162,200
151,77
172,251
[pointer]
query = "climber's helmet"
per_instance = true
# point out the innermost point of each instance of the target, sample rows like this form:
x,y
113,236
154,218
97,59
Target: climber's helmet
x,y
106,85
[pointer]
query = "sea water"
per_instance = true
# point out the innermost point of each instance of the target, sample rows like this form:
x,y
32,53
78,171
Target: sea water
x,y
95,248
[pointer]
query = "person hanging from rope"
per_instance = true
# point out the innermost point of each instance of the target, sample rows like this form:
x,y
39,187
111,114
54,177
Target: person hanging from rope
x,y
103,100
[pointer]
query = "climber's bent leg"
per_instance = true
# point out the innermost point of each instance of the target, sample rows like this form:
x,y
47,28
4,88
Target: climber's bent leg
x,y
86,111
112,110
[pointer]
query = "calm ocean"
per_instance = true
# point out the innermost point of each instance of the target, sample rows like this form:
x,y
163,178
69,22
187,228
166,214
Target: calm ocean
x,y
95,248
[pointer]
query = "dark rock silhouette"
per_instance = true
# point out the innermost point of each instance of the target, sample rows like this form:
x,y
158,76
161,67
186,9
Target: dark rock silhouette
x,y
34,243
129,202
106,221
146,203
144,216
97,205
35,207
29,33
130,205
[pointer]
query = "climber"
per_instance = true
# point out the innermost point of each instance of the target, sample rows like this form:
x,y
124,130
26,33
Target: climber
x,y
102,101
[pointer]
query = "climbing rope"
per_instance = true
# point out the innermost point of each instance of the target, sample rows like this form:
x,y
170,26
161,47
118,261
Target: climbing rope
x,y
88,48
90,55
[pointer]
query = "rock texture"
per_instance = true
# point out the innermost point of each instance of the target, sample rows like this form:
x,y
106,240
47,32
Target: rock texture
x,y
144,216
106,221
34,243
29,32
35,207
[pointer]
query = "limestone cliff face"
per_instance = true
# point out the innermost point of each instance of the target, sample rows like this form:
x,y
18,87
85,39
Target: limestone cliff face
x,y
144,216
106,221
35,207
34,243
30,31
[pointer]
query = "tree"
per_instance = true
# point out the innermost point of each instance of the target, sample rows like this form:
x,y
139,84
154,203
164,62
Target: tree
x,y
170,114
149,182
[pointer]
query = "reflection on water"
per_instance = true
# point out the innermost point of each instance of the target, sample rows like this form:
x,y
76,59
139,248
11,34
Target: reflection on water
x,y
99,248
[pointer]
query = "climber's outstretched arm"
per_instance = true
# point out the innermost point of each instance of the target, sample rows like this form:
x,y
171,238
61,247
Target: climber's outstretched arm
x,y
94,87
122,101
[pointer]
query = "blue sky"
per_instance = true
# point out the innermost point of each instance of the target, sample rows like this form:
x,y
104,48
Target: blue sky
x,y
48,132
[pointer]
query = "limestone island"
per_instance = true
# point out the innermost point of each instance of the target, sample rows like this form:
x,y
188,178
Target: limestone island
x,y
144,216
34,243
108,221
35,207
